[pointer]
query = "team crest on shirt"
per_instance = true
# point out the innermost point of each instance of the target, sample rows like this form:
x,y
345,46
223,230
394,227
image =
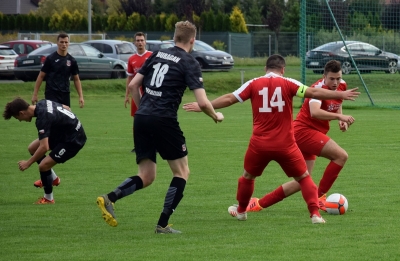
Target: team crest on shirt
x,y
68,63
41,131
183,147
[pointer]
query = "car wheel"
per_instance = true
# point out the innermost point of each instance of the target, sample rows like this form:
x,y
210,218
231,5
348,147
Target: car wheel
x,y
118,74
202,63
346,67
392,67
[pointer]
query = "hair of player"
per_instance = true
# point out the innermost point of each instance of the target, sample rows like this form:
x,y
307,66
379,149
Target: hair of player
x,y
140,34
62,35
275,62
13,108
332,66
184,31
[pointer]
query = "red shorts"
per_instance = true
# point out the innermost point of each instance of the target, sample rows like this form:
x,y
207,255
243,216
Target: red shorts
x,y
290,159
310,141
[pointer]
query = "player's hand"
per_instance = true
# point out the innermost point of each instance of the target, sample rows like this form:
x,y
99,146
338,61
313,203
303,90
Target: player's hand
x,y
23,165
34,99
192,106
66,107
351,94
126,101
220,117
343,126
81,102
347,118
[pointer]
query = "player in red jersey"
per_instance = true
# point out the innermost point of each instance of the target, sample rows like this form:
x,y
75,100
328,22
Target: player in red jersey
x,y
310,128
135,62
271,97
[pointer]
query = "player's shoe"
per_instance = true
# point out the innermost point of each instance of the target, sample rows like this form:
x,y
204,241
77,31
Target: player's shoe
x,y
44,201
317,220
56,182
321,202
166,230
253,206
232,210
107,210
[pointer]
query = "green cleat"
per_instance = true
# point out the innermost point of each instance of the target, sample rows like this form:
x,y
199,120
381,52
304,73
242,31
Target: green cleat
x,y
166,230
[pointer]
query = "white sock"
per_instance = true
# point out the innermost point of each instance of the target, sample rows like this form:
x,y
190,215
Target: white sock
x,y
53,174
49,196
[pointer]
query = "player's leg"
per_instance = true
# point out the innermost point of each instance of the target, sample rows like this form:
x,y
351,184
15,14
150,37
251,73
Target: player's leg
x,y
338,157
45,176
38,183
174,195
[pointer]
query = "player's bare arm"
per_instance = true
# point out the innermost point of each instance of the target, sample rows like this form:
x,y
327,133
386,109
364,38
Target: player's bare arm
x,y
78,87
134,86
219,103
39,153
128,80
205,105
317,113
323,94
38,82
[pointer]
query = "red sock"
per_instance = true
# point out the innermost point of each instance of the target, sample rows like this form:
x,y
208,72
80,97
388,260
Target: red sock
x,y
244,193
330,175
310,195
272,197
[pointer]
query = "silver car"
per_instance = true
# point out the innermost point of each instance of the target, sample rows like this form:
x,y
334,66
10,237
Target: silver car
x,y
116,49
7,58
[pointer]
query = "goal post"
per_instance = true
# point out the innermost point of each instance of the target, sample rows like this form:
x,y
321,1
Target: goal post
x,y
367,33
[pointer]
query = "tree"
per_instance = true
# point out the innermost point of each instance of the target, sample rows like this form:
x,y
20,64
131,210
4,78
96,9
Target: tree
x,y
253,15
170,22
48,7
275,18
291,19
238,24
133,23
391,17
143,7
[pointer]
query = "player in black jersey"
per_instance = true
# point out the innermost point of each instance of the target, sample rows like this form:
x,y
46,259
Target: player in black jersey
x,y
59,130
57,70
164,76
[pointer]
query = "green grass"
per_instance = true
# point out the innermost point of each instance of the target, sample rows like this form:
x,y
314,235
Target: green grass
x,y
73,229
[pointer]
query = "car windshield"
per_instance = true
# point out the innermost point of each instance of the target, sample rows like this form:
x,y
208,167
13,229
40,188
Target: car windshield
x,y
6,51
124,48
42,44
326,47
200,46
166,45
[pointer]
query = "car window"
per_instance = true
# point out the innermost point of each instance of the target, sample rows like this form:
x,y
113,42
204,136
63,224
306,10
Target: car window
x,y
104,48
29,49
7,51
75,50
354,48
19,48
42,44
200,46
90,51
44,50
166,45
370,49
325,47
124,48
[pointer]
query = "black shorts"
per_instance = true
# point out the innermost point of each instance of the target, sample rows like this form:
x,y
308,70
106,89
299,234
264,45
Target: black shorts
x,y
60,97
64,151
158,134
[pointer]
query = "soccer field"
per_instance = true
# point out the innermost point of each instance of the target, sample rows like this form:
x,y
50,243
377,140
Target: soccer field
x,y
72,229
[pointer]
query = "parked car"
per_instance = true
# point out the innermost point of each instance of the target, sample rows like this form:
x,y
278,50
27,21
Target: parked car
x,y
7,58
23,47
209,58
366,56
91,62
114,48
155,45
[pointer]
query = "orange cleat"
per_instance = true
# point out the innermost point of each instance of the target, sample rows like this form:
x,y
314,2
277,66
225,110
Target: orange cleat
x,y
43,201
321,202
253,206
38,183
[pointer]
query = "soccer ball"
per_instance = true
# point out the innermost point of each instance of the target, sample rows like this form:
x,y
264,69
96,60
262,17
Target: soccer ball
x,y
336,204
